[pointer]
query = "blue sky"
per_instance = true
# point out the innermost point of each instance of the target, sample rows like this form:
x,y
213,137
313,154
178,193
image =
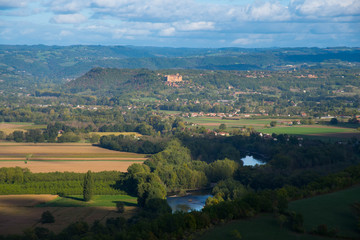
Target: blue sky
x,y
182,23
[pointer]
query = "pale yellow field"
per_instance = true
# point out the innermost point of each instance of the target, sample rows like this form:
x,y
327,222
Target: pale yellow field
x,y
70,166
62,151
8,128
61,157
21,215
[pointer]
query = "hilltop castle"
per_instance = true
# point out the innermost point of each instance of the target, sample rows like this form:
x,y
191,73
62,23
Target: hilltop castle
x,y
173,78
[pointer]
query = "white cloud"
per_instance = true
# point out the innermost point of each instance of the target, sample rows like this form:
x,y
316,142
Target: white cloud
x,y
194,26
167,32
268,11
325,8
69,18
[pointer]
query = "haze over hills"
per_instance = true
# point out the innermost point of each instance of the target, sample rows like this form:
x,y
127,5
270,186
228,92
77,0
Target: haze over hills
x,y
56,63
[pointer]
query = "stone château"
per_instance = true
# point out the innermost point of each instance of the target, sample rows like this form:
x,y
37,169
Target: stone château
x,y
173,78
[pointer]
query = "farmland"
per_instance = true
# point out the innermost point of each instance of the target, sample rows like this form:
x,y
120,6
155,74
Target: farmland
x,y
77,157
307,130
258,125
19,212
10,127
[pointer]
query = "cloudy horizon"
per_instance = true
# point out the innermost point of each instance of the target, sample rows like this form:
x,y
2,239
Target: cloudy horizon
x,y
187,23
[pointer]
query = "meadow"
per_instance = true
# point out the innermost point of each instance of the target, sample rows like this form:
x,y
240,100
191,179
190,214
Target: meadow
x,y
332,209
259,125
307,130
261,227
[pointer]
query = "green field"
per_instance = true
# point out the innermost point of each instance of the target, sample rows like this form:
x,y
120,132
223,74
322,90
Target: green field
x,y
97,201
332,209
305,130
263,227
212,122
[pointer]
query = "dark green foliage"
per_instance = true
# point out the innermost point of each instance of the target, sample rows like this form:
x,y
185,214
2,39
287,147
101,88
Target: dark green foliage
x,y
174,168
132,144
229,189
120,207
296,222
221,170
47,217
88,191
323,230
334,121
12,175
18,136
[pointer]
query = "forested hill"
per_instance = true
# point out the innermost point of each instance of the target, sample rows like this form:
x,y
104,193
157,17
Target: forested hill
x,y
36,63
120,80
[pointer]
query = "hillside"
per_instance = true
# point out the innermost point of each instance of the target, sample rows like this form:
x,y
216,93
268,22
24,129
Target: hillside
x,y
119,80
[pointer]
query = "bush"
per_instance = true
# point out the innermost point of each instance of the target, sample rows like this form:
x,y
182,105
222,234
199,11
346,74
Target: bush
x,y
47,217
120,206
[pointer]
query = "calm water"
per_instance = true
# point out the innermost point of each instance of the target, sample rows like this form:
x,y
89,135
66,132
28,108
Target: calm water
x,y
251,161
188,203
196,201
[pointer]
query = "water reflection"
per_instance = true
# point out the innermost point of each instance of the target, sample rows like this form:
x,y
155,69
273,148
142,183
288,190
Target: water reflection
x,y
251,161
188,202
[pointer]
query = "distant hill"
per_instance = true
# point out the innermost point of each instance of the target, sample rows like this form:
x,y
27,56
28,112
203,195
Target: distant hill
x,y
58,63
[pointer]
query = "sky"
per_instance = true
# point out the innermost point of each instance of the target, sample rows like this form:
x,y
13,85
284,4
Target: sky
x,y
182,23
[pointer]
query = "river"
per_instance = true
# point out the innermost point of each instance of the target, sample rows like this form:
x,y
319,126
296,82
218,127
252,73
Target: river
x,y
196,200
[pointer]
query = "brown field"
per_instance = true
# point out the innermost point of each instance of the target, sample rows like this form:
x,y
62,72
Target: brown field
x,y
21,215
70,166
72,157
58,151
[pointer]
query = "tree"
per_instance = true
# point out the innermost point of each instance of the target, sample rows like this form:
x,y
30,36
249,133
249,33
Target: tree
x,y
47,217
273,123
333,121
222,127
88,186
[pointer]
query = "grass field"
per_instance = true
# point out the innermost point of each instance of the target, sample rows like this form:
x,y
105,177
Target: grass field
x,y
73,157
307,130
25,212
258,228
319,131
332,209
216,121
10,127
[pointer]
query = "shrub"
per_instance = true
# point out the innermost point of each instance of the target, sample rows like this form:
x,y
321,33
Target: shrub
x,y
47,217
